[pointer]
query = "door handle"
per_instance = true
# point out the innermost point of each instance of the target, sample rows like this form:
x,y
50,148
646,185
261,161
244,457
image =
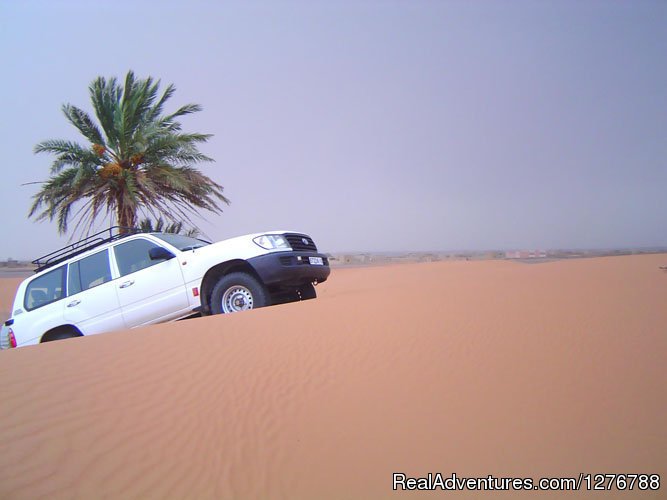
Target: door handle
x,y
127,283
75,302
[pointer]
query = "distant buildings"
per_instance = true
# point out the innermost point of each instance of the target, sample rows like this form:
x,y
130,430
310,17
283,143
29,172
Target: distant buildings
x,y
526,254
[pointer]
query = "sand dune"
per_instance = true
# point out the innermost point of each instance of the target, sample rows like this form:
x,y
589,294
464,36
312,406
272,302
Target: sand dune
x,y
8,288
476,368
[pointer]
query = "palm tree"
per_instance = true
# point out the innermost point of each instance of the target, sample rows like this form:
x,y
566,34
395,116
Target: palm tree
x,y
137,162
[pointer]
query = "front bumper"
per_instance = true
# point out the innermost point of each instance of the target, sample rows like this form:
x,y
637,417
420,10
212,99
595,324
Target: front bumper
x,y
290,268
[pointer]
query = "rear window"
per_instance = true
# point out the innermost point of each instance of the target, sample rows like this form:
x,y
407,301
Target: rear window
x,y
46,289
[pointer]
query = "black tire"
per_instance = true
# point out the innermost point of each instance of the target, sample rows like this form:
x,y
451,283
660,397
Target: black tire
x,y
237,292
60,334
307,292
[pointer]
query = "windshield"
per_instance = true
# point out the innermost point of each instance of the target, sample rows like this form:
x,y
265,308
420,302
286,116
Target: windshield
x,y
181,242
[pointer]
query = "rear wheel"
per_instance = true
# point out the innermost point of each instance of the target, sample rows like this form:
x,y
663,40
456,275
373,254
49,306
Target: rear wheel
x,y
237,292
61,333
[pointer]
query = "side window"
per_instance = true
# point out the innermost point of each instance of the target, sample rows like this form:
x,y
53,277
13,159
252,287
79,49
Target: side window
x,y
45,289
133,256
89,272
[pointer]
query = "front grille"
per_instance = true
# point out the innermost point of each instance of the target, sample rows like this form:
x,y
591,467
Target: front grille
x,y
301,242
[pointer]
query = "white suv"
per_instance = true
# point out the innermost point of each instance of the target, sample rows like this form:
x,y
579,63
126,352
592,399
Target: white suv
x,y
113,280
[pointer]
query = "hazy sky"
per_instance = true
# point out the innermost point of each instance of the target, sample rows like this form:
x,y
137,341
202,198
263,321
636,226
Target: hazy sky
x,y
371,125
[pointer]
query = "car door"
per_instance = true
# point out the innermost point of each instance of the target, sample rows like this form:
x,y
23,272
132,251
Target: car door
x,y
149,290
92,301
42,306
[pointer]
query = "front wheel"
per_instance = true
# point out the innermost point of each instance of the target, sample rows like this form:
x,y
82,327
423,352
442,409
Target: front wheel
x,y
237,292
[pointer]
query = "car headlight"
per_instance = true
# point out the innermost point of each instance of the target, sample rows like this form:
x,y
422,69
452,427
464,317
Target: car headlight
x,y
272,242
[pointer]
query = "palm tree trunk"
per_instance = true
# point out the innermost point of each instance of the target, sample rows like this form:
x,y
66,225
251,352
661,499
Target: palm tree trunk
x,y
126,218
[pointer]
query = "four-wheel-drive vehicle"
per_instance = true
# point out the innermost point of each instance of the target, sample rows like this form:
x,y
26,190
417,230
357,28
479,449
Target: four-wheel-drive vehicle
x,y
122,278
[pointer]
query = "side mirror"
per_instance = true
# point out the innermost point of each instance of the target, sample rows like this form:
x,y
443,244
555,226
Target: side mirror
x,y
160,253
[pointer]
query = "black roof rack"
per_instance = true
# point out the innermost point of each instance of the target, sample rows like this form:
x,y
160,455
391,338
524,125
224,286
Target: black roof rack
x,y
88,243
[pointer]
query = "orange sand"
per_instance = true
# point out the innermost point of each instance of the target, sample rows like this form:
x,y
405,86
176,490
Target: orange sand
x,y
476,368
8,288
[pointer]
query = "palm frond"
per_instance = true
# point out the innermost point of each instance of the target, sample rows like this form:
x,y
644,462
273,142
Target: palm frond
x,y
156,110
184,110
68,153
105,96
84,123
